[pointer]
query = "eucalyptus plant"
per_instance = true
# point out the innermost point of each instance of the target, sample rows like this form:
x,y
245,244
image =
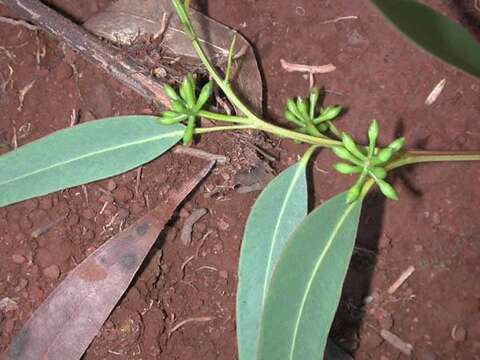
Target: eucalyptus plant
x,y
292,264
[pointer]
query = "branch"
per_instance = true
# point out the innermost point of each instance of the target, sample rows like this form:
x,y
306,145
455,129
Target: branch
x,y
101,54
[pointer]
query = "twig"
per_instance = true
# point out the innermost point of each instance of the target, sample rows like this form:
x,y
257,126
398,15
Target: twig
x,y
44,228
14,138
220,159
107,57
341,18
22,93
189,320
396,342
137,181
401,279
200,244
73,118
15,22
186,235
182,268
437,90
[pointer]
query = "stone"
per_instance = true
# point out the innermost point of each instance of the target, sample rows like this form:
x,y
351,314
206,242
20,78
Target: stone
x,y
18,259
52,272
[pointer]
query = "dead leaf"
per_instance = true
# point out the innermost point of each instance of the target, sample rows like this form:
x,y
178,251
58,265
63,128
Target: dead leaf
x,y
125,20
68,320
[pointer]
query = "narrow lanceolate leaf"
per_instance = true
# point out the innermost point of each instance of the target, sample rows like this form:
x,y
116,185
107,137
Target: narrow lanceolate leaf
x,y
434,32
306,283
81,154
274,216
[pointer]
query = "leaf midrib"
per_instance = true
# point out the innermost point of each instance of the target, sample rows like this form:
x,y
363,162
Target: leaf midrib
x,y
310,281
277,226
133,143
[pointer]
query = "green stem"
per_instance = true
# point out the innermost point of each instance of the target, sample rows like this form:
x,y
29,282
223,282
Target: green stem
x,y
221,128
418,156
308,154
286,133
224,117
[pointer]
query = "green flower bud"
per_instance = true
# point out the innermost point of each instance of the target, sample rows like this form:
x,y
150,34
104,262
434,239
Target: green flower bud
x,y
383,156
343,168
187,92
205,94
170,92
351,146
178,106
170,114
373,132
387,189
171,120
292,118
292,107
397,144
314,95
302,106
379,172
188,133
344,154
328,114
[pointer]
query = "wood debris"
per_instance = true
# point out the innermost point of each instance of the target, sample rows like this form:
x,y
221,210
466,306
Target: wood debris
x,y
396,342
186,235
437,90
401,279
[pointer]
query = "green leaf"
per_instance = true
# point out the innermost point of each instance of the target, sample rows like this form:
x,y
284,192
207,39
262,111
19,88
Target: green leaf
x,y
306,284
81,154
433,32
274,216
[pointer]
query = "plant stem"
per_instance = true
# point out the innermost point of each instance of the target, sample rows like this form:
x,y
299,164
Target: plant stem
x,y
286,133
307,155
256,122
224,117
221,128
418,156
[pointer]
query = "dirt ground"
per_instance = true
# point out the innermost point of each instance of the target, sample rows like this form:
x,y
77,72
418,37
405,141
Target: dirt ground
x,y
379,75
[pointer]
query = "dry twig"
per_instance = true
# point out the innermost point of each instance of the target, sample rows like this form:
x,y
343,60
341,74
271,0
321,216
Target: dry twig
x,y
220,159
16,22
437,90
186,235
189,320
341,18
22,93
401,279
396,342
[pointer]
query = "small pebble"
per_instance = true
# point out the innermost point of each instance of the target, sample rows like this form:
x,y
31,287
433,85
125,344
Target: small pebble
x,y
223,274
52,272
123,194
111,185
18,259
458,333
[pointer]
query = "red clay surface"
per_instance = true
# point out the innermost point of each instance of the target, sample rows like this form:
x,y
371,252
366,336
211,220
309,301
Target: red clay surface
x,y
379,75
